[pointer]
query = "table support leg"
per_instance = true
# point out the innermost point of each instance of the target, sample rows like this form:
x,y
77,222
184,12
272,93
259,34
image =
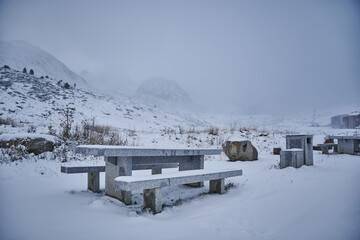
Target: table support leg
x,y
114,167
94,181
195,162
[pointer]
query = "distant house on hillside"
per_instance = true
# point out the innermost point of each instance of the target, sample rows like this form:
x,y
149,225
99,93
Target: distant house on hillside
x,y
345,121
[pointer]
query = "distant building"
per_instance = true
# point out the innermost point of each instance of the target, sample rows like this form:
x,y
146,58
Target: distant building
x,y
345,121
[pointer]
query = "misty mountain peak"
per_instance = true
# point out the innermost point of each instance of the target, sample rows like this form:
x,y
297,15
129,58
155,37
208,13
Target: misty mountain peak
x,y
160,90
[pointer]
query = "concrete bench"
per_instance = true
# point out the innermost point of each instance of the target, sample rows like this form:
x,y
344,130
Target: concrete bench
x,y
347,144
94,172
151,185
119,161
326,146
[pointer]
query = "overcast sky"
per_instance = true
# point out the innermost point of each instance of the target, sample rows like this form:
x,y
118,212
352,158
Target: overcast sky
x,y
250,56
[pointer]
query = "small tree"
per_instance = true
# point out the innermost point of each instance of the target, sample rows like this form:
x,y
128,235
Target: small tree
x,y
66,85
31,72
67,120
24,70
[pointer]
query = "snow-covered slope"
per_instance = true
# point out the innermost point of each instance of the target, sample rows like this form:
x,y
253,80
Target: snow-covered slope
x,y
34,100
163,92
20,54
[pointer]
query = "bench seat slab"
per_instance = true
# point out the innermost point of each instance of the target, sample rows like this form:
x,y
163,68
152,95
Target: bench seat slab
x,y
129,183
82,169
152,185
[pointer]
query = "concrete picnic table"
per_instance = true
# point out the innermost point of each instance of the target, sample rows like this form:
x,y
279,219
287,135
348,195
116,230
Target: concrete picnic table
x,y
347,144
120,159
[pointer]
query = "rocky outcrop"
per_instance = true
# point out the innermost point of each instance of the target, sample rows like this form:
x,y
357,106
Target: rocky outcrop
x,y
240,150
33,143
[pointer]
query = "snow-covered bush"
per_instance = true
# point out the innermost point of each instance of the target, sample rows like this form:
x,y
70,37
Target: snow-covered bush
x,y
13,153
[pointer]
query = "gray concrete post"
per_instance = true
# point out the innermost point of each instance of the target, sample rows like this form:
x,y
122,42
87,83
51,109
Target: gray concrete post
x,y
152,199
114,167
94,181
305,142
217,186
291,157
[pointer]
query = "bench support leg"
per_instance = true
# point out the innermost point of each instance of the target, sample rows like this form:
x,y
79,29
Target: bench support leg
x,y
155,171
325,150
217,186
152,199
335,149
94,181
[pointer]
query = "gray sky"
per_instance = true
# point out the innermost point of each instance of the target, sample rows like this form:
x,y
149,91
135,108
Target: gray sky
x,y
250,56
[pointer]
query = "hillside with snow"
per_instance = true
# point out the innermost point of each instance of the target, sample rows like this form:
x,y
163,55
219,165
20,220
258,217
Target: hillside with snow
x,y
35,101
20,54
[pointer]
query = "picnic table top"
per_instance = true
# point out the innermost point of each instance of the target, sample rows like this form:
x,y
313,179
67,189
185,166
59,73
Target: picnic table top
x,y
298,135
126,151
343,137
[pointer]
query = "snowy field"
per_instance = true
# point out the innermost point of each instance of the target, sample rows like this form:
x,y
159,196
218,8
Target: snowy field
x,y
316,202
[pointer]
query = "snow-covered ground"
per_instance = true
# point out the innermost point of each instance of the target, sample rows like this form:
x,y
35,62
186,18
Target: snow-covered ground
x,y
315,202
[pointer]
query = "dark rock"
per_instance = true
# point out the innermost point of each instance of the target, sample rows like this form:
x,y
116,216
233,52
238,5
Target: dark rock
x,y
329,140
33,144
317,148
276,151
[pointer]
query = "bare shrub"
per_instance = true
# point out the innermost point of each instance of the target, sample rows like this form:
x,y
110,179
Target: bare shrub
x,y
181,130
193,130
248,129
67,120
89,132
168,130
213,131
8,121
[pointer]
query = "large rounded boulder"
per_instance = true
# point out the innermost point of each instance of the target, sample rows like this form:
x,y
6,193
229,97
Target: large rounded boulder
x,y
33,143
240,150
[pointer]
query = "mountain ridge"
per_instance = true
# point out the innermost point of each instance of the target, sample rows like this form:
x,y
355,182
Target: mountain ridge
x,y
19,54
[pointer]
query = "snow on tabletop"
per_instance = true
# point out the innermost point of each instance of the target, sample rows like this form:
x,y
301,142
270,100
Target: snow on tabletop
x,y
143,148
